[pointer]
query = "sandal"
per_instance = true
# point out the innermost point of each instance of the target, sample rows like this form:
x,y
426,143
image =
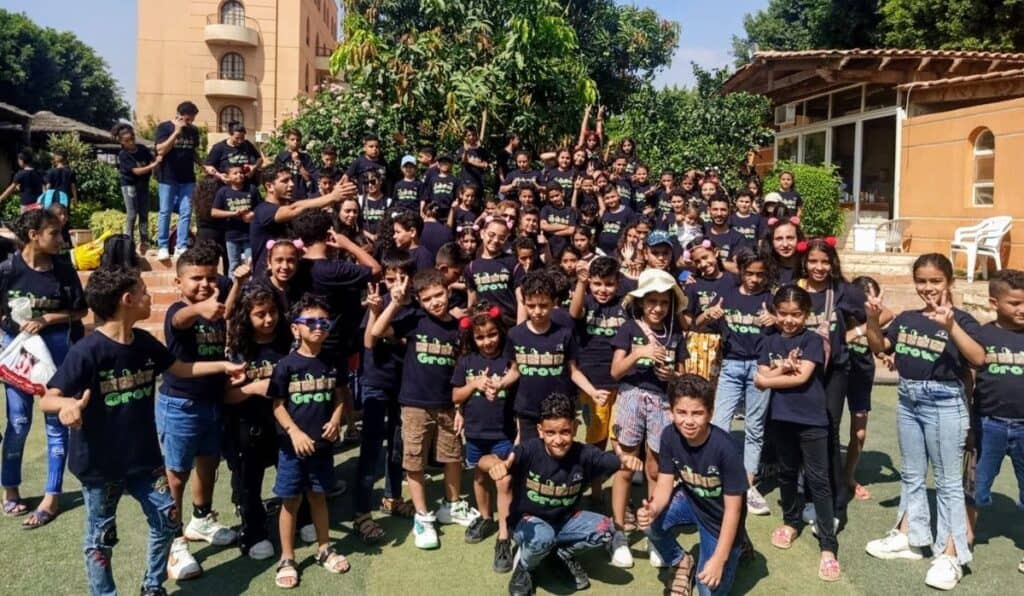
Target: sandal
x,y
828,570
287,574
1020,566
398,508
332,560
15,507
682,579
860,493
783,537
38,519
369,531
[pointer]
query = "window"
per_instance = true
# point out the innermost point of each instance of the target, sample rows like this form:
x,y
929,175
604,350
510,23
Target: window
x,y
816,110
232,67
787,149
228,115
814,148
232,13
846,102
983,194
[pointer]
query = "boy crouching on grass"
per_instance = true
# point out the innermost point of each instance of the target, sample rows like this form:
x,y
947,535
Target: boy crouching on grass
x,y
549,475
114,447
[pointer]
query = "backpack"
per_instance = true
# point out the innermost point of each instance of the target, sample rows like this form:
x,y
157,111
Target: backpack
x,y
54,196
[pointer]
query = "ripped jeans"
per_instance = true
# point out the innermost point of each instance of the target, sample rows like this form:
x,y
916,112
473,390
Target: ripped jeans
x,y
101,499
583,531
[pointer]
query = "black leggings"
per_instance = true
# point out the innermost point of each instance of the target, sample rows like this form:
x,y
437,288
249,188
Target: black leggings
x,y
837,379
807,446
251,449
381,422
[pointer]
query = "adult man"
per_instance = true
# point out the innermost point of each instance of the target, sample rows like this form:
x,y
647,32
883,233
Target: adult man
x,y
177,140
235,150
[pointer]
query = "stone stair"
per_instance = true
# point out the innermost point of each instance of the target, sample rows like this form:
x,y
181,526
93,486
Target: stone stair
x,y
159,279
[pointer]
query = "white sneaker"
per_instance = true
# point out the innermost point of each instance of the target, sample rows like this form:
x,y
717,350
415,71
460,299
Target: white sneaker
x,y
261,550
654,557
163,254
456,512
944,574
756,504
208,529
814,526
894,546
809,515
181,565
622,557
308,533
425,536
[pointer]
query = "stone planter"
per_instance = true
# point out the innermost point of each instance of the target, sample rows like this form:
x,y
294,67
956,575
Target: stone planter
x,y
80,236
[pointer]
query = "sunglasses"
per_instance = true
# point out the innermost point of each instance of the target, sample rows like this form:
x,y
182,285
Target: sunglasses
x,y
314,323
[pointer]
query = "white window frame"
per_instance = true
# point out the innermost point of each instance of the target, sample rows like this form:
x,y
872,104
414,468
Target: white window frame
x,y
991,184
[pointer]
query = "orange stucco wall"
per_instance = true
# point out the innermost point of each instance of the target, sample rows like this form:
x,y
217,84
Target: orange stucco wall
x,y
937,175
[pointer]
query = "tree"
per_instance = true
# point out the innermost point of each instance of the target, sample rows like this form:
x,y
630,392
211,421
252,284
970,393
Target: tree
x,y
44,69
963,24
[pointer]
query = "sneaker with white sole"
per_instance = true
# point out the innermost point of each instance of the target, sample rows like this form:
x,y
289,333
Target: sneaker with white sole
x,y
181,565
163,254
208,529
814,526
456,512
756,504
894,546
425,536
654,557
945,573
618,548
308,533
809,515
261,550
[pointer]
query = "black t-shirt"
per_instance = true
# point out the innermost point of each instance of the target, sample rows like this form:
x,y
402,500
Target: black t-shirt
x,y
804,404
223,155
750,227
594,333
924,350
999,389
263,228
30,185
203,341
706,473
118,434
549,488
543,360
662,201
363,165
423,258
307,387
469,172
56,290
464,217
491,279
564,178
429,359
791,200
727,243
340,283
178,165
441,191
382,365
128,160
407,194
302,188
61,179
626,191
848,303
705,293
229,199
784,275
258,367
435,235
486,419
521,179
564,216
372,211
612,226
644,195
740,328
862,361
642,374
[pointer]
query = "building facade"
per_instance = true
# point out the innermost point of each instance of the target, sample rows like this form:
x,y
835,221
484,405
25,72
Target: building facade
x,y
238,60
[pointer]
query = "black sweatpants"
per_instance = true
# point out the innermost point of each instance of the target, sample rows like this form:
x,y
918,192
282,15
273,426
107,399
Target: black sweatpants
x,y
799,445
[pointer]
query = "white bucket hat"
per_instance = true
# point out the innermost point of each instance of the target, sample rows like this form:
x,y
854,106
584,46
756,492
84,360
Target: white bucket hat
x,y
656,280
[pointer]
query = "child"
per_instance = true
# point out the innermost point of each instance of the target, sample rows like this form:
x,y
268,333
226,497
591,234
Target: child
x,y
435,233
452,265
930,347
409,189
710,491
407,229
27,181
466,211
328,157
52,287
489,423
742,316
858,391
548,474
299,164
745,221
428,414
489,276
521,177
440,187
644,191
62,178
188,412
135,164
113,443
308,409
373,204
370,162
791,199
557,220
562,173
614,218
791,365
279,271
663,193
621,180
583,241
468,240
234,203
649,354
718,231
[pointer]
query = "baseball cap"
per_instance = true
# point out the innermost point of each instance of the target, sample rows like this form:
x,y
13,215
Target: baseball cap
x,y
657,237
445,157
408,159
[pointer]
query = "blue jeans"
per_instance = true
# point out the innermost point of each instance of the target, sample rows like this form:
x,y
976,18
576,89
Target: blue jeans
x,y
19,422
237,250
174,198
932,422
997,438
678,513
101,499
736,385
136,206
381,421
583,531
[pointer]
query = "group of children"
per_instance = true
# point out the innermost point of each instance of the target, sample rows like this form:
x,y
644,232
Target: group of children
x,y
471,330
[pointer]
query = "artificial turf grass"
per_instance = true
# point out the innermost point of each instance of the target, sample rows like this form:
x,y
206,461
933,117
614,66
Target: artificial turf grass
x,y
49,560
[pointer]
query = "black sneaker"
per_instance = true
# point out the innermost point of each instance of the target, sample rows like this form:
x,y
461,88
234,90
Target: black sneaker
x,y
579,575
503,556
153,591
479,529
521,583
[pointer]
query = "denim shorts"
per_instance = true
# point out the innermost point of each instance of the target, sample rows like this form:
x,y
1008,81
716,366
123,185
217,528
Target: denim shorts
x,y
477,448
298,475
187,429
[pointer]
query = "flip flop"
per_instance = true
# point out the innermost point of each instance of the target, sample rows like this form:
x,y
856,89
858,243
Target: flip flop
x,y
829,571
40,517
15,507
861,493
783,538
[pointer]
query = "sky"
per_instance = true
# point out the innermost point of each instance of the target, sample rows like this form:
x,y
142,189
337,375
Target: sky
x,y
109,27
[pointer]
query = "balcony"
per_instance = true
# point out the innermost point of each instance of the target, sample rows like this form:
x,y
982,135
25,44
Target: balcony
x,y
242,32
323,58
220,85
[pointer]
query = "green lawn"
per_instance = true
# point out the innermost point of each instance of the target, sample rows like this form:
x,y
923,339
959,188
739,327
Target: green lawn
x,y
48,560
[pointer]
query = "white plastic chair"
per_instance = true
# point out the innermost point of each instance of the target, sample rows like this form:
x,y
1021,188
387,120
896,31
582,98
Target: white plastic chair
x,y
983,239
891,233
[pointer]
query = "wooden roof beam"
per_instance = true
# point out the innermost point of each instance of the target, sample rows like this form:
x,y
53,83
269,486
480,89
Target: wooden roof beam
x,y
924,63
885,62
994,65
955,65
843,62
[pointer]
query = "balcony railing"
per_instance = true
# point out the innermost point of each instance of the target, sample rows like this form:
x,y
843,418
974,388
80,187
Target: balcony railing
x,y
230,85
237,32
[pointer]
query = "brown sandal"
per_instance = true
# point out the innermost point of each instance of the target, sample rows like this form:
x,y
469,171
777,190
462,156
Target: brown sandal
x,y
398,507
369,531
783,537
682,579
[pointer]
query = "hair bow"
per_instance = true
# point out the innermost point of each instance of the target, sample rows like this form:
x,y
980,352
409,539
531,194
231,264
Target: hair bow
x,y
465,323
297,243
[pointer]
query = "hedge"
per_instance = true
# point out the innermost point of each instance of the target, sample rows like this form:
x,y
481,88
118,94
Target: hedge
x,y
820,188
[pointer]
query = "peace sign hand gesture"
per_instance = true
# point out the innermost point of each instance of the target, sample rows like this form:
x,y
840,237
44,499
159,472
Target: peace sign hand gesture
x,y
873,307
940,309
399,291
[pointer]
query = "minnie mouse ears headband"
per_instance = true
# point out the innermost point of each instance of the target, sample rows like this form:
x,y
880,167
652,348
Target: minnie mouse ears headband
x,y
466,323
493,218
805,245
463,227
705,243
793,220
297,243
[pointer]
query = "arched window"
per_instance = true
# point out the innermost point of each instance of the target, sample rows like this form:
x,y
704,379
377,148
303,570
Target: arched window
x,y
232,67
232,13
228,115
307,32
983,194
307,79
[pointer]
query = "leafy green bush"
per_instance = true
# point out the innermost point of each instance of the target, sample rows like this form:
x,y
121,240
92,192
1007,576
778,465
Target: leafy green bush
x,y
108,220
819,187
82,212
98,181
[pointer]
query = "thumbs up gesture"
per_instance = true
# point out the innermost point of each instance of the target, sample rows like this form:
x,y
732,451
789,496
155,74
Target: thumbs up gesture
x,y
716,311
764,317
210,309
70,414
644,515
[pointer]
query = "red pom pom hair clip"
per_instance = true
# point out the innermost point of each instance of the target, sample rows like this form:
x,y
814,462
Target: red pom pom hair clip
x,y
494,312
803,245
465,323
